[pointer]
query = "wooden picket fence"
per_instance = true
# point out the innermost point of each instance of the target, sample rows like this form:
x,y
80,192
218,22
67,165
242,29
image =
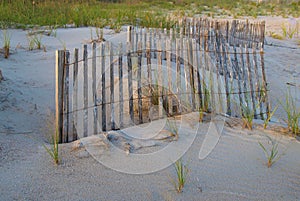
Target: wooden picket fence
x,y
235,32
155,74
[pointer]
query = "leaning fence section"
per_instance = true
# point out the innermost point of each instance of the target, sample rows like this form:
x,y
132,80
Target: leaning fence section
x,y
155,74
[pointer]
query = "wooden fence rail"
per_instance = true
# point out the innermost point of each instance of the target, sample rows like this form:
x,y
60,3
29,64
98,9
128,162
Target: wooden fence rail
x,y
157,74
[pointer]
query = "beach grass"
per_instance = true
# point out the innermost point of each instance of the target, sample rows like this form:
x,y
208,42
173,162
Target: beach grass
x,y
53,150
272,154
6,38
181,175
268,119
293,113
149,13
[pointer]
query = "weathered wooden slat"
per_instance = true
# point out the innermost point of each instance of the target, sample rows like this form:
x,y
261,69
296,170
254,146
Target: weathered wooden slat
x,y
249,67
160,79
239,77
243,76
121,101
258,103
196,69
139,81
262,33
228,77
149,74
66,98
85,91
59,88
155,43
94,89
169,73
112,87
130,87
187,89
218,68
191,73
264,80
129,30
178,72
75,94
103,87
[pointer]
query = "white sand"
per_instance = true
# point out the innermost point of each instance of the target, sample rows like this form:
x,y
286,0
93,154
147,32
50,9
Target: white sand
x,y
235,170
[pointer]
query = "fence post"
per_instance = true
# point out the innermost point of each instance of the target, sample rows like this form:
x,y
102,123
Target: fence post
x,y
66,77
59,88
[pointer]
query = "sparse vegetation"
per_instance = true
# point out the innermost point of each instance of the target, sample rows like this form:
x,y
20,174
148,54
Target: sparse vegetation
x,y
201,115
206,99
267,120
21,14
99,35
34,41
181,175
290,29
247,116
292,112
272,154
173,128
6,36
276,36
53,151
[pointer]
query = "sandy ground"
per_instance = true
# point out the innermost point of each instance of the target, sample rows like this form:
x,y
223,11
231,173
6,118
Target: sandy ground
x,y
235,170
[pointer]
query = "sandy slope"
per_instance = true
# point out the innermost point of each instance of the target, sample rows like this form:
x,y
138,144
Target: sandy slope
x,y
235,170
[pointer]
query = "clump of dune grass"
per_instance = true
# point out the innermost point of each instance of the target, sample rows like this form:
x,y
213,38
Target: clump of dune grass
x,y
173,128
52,137
6,37
276,36
267,120
247,116
35,41
53,149
181,175
271,154
290,29
201,115
293,114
